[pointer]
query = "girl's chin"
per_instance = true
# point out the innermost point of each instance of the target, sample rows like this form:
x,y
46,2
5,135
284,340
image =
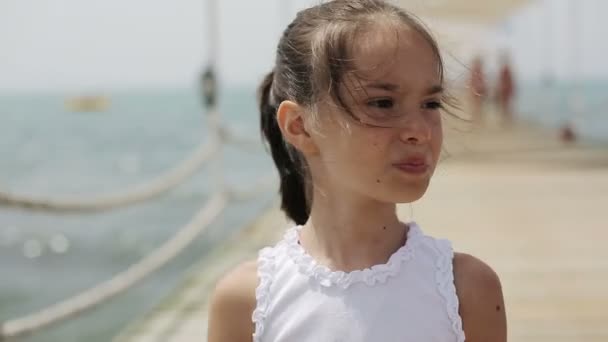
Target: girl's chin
x,y
411,192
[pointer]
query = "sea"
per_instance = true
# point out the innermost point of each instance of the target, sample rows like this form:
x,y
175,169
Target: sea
x,y
46,150
583,105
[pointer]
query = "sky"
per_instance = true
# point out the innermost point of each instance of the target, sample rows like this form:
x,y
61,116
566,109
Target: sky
x,y
94,44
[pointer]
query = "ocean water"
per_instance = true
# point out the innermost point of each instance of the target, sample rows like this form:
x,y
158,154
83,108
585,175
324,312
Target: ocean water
x,y
47,150
583,105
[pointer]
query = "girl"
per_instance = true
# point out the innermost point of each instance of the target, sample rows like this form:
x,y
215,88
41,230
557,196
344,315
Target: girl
x,y
352,114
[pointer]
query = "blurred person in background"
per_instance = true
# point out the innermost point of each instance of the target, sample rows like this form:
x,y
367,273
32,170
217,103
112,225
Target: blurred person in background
x,y
505,90
478,90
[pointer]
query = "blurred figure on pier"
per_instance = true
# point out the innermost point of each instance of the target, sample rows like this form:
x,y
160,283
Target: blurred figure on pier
x,y
478,90
505,91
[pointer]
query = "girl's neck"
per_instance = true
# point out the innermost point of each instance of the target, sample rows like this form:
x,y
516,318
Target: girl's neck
x,y
352,234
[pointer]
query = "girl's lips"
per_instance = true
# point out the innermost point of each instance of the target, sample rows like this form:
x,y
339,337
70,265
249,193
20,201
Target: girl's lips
x,y
414,165
413,168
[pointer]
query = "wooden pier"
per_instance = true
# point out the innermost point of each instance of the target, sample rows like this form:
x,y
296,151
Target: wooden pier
x,y
529,205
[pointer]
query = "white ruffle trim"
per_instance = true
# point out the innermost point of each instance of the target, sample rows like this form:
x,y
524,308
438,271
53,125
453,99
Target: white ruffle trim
x,y
370,276
445,285
265,270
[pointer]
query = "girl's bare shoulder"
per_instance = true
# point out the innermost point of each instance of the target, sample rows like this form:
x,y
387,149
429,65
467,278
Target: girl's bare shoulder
x,y
232,304
239,283
481,300
471,271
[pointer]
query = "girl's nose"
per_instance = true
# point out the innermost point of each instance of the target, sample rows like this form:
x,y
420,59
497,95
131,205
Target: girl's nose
x,y
415,129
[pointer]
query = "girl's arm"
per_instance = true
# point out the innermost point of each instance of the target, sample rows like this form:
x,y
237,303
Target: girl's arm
x,y
232,305
482,305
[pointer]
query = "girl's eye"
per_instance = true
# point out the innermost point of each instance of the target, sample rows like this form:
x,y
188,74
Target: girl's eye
x,y
381,103
433,105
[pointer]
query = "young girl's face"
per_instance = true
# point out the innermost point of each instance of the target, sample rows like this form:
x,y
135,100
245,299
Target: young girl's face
x,y
386,145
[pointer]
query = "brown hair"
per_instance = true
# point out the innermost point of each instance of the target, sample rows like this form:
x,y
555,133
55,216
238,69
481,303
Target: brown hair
x,y
311,61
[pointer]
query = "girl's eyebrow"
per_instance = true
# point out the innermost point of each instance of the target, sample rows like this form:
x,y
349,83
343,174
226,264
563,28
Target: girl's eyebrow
x,y
383,86
435,89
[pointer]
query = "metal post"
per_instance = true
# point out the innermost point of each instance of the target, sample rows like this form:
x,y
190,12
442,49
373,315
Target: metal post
x,y
285,12
212,30
575,97
209,89
547,77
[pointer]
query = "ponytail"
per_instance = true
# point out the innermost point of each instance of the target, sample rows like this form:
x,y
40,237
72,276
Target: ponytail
x,y
287,160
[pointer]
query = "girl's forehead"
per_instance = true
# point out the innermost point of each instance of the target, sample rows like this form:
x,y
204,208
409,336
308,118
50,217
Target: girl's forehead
x,y
390,51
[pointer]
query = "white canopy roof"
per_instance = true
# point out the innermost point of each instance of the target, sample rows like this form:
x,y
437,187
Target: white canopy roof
x,y
471,11
464,28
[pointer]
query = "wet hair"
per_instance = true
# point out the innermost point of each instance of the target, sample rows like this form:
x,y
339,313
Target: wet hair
x,y
312,59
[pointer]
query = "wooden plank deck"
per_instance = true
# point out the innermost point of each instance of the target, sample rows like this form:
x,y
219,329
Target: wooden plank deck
x,y
532,208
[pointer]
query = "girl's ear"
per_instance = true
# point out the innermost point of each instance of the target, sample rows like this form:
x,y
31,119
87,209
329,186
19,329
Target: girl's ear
x,y
291,120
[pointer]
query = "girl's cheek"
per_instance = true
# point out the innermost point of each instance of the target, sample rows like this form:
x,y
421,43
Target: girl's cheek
x,y
376,140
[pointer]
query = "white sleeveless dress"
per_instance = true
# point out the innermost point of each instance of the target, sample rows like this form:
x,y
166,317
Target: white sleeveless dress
x,y
411,298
